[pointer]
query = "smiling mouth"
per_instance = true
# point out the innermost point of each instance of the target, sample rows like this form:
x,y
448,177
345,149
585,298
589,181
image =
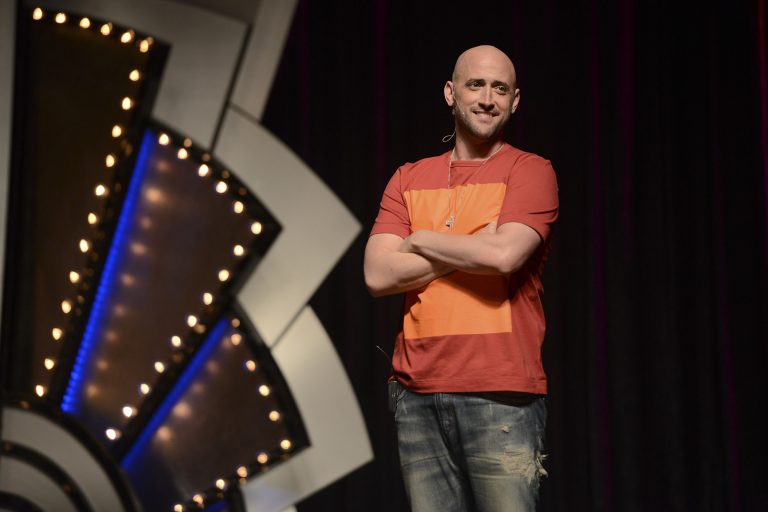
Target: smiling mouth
x,y
485,115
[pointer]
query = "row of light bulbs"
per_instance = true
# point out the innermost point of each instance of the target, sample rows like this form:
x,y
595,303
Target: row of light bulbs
x,y
106,29
117,131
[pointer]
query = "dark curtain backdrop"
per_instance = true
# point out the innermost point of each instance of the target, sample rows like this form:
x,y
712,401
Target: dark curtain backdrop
x,y
654,115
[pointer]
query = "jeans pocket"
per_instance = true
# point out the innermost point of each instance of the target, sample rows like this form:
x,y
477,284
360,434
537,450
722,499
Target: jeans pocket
x,y
395,392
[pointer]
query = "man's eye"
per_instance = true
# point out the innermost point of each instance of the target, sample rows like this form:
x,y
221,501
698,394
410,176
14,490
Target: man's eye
x,y
502,89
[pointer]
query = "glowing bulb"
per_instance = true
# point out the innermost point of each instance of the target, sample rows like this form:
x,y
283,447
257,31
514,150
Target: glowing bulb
x,y
223,275
145,44
256,228
100,190
221,484
39,390
112,434
127,103
274,415
128,411
163,139
238,207
56,333
74,277
117,131
144,388
264,390
106,29
238,250
84,245
176,341
182,154
159,367
178,507
207,299
221,187
66,306
134,75
250,365
262,458
127,37
191,320
37,14
110,160
60,18
85,23
92,218
285,444
236,339
242,471
198,498
203,170
49,363
235,323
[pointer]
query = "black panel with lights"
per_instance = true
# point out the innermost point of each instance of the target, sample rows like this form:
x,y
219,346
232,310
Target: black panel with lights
x,y
127,245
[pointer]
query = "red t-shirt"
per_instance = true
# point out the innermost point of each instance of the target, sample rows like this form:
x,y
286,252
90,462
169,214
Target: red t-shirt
x,y
466,332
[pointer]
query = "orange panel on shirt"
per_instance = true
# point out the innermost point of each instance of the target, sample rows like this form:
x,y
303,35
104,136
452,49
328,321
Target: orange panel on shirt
x,y
458,303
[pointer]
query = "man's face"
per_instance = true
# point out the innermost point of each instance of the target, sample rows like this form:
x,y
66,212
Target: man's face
x,y
483,94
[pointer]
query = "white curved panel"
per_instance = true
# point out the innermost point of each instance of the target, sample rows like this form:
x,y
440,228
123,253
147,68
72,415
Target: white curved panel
x,y
338,437
317,228
21,479
7,47
27,428
200,66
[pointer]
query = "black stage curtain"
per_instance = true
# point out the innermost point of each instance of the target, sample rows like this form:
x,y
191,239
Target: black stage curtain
x,y
655,117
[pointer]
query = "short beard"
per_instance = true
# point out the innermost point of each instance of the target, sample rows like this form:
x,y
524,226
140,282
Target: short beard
x,y
464,125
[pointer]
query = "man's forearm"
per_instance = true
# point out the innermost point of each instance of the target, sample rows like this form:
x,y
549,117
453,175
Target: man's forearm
x,y
497,252
389,271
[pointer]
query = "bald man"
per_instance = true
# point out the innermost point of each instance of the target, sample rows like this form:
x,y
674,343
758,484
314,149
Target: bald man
x,y
465,235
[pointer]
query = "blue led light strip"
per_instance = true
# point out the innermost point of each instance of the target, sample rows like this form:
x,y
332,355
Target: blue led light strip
x,y
72,397
179,388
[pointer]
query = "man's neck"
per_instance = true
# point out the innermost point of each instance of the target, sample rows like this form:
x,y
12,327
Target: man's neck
x,y
480,150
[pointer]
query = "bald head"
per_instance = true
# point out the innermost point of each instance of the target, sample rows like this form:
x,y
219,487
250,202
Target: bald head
x,y
486,56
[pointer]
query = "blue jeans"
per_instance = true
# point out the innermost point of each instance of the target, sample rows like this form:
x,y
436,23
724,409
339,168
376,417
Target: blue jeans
x,y
463,453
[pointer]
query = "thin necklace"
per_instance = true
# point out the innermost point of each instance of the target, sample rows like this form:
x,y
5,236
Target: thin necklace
x,y
452,216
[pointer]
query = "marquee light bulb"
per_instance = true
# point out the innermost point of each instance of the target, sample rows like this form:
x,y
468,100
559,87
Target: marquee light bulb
x,y
262,458
238,207
134,75
182,154
37,14
92,218
286,444
238,250
85,23
144,388
56,333
100,190
74,277
159,367
223,275
112,434
256,228
221,484
207,299
250,365
145,44
264,390
106,29
126,37
49,363
60,18
163,139
40,390
117,131
236,339
127,103
274,415
84,245
221,187
242,471
191,320
203,170
128,411
176,341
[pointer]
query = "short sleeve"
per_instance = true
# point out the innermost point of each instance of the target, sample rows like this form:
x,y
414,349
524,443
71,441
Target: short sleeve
x,y
393,214
531,195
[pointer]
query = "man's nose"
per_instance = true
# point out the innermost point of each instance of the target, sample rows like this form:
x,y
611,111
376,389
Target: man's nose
x,y
486,99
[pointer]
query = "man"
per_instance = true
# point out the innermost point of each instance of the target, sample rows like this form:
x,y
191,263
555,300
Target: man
x,y
465,235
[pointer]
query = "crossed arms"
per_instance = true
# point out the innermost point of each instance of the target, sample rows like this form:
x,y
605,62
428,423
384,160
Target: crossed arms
x,y
394,265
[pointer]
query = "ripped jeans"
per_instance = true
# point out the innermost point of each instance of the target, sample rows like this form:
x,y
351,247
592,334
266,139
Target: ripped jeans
x,y
461,453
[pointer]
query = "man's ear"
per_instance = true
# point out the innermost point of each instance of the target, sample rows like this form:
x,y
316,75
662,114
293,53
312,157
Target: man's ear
x,y
449,93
